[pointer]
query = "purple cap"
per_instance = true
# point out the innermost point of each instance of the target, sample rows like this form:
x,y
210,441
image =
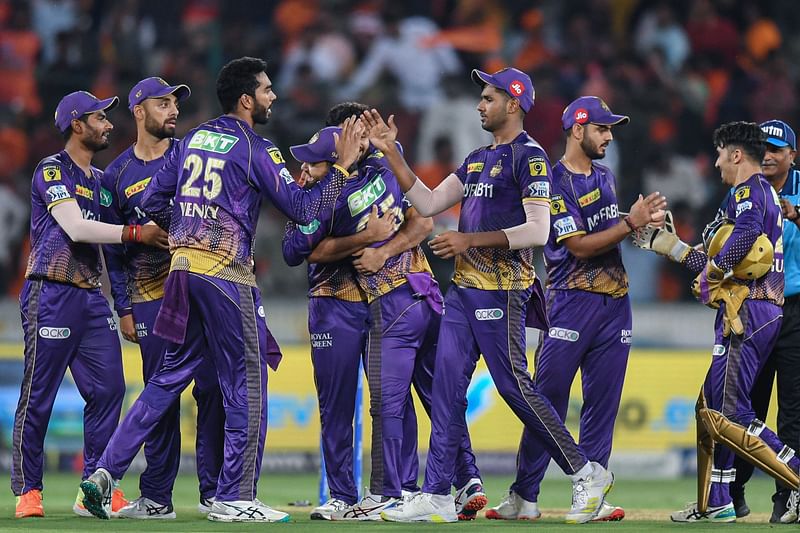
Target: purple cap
x,y
79,103
155,87
590,110
513,82
320,147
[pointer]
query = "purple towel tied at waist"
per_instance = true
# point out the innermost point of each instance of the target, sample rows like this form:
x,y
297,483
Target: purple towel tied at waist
x,y
423,285
536,316
274,354
174,313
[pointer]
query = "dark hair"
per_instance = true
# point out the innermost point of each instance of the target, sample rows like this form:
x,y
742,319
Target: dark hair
x,y
68,132
341,112
745,135
236,78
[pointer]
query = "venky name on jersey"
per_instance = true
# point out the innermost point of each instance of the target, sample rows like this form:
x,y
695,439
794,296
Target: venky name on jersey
x,y
609,212
210,141
366,196
137,187
485,190
52,173
193,210
537,166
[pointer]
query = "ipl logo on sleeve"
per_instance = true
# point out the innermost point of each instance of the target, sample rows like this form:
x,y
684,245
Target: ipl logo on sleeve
x,y
57,192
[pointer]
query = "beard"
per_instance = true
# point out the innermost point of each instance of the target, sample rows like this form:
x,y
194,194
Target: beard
x,y
260,114
96,141
159,131
591,150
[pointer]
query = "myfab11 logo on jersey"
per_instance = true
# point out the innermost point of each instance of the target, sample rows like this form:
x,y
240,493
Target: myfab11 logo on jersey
x,y
209,168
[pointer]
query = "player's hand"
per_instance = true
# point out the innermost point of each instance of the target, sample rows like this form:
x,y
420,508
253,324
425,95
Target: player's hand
x,y
128,329
788,210
648,210
381,135
449,244
152,235
379,228
348,144
369,260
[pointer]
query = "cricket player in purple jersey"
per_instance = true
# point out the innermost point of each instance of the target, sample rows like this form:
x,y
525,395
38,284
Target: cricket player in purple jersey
x,y
585,270
66,319
401,343
504,190
137,275
747,324
218,175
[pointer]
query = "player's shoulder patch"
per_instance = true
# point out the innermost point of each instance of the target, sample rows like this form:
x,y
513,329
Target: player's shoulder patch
x,y
276,156
539,189
557,205
565,226
537,165
56,193
742,193
51,172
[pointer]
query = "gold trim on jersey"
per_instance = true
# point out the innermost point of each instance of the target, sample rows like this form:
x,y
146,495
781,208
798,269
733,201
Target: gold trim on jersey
x,y
494,269
571,234
211,264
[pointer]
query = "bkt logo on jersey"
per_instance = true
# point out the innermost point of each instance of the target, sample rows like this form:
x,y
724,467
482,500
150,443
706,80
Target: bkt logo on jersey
x,y
46,332
489,314
360,200
563,334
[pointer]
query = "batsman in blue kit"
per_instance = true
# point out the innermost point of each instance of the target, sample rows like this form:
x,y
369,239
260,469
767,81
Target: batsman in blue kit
x,y
737,275
504,190
137,275
66,320
585,271
404,302
209,194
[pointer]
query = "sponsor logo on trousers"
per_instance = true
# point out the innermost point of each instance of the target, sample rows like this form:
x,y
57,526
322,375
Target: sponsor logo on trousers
x,y
141,329
563,334
626,336
53,333
718,350
489,314
321,340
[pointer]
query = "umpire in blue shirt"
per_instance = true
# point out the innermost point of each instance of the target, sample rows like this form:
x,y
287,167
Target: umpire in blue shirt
x,y
784,361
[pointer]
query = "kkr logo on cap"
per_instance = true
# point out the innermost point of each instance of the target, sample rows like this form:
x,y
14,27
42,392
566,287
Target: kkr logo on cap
x,y
516,88
489,314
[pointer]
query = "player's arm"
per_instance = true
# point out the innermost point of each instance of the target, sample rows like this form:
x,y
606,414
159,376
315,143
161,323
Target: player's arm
x,y
414,230
332,249
157,198
302,206
114,256
749,224
646,210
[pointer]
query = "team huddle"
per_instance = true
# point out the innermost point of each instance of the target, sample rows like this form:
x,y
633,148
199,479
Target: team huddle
x,y
176,219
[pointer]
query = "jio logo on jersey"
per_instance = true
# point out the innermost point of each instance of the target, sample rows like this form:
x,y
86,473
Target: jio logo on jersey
x,y
563,334
489,314
53,333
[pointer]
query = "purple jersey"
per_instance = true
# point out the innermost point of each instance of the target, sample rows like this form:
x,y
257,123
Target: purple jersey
x,y
755,208
54,256
579,205
496,183
135,270
218,175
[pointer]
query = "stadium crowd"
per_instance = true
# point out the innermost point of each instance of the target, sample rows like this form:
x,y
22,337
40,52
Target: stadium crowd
x,y
678,68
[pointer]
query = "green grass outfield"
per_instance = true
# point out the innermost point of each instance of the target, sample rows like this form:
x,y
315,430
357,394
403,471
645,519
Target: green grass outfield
x,y
647,504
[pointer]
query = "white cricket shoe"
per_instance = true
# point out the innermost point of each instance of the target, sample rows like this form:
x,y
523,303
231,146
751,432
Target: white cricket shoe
x,y
424,508
724,513
146,509
514,507
792,512
245,511
97,492
470,499
369,508
324,511
588,494
205,504
609,513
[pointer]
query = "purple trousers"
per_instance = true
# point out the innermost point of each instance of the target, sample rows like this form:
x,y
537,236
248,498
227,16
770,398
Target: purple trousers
x,y
226,322
491,323
735,364
401,350
162,449
65,327
597,343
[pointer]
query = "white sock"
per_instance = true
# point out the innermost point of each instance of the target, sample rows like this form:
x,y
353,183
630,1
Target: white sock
x,y
442,500
583,473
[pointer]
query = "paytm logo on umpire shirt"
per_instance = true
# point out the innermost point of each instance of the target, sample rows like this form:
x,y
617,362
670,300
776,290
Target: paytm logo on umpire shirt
x,y
489,314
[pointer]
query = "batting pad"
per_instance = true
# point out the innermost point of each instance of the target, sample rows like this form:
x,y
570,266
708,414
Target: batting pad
x,y
748,446
705,458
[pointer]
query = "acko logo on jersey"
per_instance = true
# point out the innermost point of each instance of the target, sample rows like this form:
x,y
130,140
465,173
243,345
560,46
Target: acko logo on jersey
x,y
626,336
46,332
537,166
210,141
489,314
51,173
565,226
581,116
362,199
474,167
57,192
742,193
539,189
557,205
589,198
137,187
563,334
718,350
309,229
